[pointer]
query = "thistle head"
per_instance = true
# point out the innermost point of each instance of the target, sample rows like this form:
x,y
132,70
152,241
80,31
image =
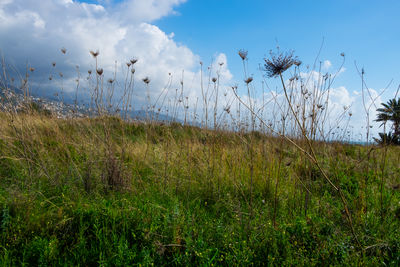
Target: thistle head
x,y
243,54
214,80
63,50
134,60
248,80
94,54
278,63
297,62
99,71
146,80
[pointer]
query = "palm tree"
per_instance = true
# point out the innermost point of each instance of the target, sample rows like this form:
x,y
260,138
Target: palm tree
x,y
388,139
390,112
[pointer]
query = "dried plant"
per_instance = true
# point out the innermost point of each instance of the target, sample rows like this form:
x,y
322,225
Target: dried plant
x,y
146,80
94,54
243,54
279,63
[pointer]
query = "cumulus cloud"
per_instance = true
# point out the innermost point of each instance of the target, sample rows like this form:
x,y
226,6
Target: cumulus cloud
x,y
34,31
146,10
326,65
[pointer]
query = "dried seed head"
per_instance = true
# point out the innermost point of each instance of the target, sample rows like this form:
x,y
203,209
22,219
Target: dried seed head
x,y
61,74
350,114
32,69
89,72
319,106
110,81
94,54
146,80
248,80
278,63
53,64
214,80
128,64
50,78
342,54
243,54
134,60
221,64
63,50
133,70
297,63
99,71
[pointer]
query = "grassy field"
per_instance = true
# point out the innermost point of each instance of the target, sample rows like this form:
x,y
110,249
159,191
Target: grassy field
x,y
101,191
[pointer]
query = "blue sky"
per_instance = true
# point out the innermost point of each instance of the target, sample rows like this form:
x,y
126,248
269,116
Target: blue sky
x,y
367,31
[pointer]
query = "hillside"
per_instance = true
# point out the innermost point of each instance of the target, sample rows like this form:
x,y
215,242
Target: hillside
x,y
101,191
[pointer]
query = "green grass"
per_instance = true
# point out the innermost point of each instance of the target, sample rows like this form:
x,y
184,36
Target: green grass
x,y
104,192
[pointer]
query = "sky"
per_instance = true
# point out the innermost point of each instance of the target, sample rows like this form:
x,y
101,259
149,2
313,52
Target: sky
x,y
171,36
366,31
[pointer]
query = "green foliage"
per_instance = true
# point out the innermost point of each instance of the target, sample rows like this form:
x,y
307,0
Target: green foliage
x,y
390,112
388,139
185,198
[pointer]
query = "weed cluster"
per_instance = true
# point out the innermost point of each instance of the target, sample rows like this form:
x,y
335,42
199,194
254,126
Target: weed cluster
x,y
240,188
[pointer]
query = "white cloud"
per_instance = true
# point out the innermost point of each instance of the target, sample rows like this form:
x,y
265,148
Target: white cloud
x,y
326,65
34,31
146,10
